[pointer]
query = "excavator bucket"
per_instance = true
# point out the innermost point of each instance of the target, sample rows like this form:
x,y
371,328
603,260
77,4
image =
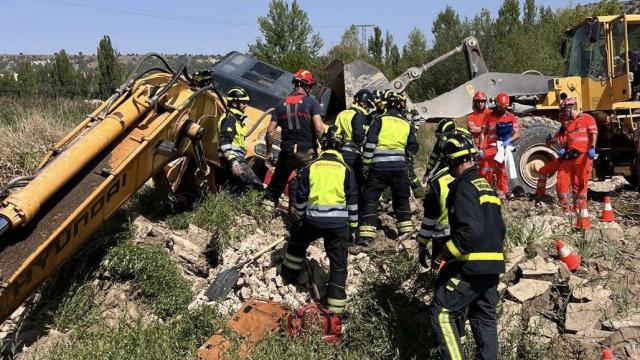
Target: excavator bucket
x,y
346,79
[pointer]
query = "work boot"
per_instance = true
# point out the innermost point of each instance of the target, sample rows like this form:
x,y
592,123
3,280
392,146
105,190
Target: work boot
x,y
289,277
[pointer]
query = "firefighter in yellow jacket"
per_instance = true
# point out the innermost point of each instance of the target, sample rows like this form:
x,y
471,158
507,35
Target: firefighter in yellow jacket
x,y
326,204
232,146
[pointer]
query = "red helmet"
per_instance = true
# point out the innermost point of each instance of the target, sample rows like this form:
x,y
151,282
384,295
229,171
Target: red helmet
x,y
569,102
480,96
502,100
304,76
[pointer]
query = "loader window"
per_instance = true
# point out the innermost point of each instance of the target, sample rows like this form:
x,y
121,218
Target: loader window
x,y
619,49
587,58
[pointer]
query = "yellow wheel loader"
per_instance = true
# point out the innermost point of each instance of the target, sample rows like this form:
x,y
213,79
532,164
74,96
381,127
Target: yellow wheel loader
x,y
602,72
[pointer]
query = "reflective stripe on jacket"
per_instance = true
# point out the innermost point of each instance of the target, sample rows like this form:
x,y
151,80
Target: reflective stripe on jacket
x,y
390,138
231,134
477,227
327,194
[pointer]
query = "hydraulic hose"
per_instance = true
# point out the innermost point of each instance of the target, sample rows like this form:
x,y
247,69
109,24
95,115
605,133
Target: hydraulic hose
x,y
4,225
16,182
168,86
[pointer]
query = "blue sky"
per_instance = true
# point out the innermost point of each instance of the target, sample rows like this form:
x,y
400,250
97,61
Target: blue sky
x,y
201,26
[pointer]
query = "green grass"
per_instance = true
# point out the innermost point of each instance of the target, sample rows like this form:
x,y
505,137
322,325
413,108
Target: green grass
x,y
177,338
152,271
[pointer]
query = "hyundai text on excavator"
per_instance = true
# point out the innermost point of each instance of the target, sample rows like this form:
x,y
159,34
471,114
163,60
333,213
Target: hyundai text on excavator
x,y
162,124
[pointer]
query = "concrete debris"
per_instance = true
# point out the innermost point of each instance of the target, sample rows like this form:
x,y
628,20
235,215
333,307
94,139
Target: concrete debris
x,y
190,252
118,304
583,316
538,268
587,293
40,348
625,343
575,281
544,327
143,227
595,335
543,227
514,256
608,185
632,233
528,289
616,324
605,232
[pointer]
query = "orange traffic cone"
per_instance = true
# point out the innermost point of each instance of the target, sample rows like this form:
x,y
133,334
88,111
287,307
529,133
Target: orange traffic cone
x,y
607,354
568,256
582,221
607,213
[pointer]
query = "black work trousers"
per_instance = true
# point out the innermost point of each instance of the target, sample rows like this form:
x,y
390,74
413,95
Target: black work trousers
x,y
375,184
455,294
336,243
288,161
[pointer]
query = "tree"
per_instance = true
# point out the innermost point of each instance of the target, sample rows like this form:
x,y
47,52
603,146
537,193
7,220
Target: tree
x,y
109,73
27,80
376,45
63,76
530,12
350,47
287,40
415,53
448,32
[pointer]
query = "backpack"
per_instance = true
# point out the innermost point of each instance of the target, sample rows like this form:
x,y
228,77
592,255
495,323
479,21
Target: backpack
x,y
312,316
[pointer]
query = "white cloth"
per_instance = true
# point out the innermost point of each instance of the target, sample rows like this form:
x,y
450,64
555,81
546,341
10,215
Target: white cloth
x,y
505,155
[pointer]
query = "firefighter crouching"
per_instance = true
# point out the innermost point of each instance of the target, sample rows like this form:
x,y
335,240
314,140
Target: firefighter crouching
x,y
582,134
299,119
390,139
473,257
558,139
326,204
232,146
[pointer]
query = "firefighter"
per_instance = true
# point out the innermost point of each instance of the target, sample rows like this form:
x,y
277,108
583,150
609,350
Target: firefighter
x,y
434,231
582,135
232,146
351,123
435,162
476,118
378,100
416,186
390,140
299,118
326,204
500,128
472,258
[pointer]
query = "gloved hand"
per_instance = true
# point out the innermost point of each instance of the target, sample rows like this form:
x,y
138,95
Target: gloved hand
x,y
481,154
352,234
592,153
562,151
506,143
270,160
236,168
424,256
365,171
549,138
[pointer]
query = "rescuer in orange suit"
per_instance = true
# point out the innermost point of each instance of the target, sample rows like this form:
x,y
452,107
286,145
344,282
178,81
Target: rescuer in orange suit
x,y
550,168
476,118
582,135
500,128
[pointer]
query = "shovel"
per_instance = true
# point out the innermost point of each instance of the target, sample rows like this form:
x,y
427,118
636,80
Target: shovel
x,y
223,284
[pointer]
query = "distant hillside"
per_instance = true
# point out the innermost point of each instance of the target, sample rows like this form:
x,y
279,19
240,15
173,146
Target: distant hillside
x,y
88,63
626,7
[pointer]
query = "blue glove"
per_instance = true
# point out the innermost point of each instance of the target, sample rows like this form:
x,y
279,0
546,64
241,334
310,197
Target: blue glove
x,y
592,153
549,137
481,154
562,151
506,143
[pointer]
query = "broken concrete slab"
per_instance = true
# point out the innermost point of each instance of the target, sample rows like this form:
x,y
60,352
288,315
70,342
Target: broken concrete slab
x,y
583,316
538,268
189,253
514,256
576,281
589,293
544,327
595,335
629,321
544,226
528,289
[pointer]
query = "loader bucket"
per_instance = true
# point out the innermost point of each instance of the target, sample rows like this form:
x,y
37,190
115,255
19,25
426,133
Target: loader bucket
x,y
346,80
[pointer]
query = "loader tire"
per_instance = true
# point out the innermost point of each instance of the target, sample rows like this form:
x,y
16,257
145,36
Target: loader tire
x,y
532,153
